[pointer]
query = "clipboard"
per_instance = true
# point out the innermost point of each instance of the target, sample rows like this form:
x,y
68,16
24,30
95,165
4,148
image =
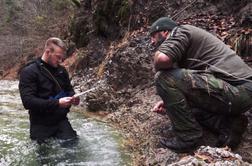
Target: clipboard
x,y
83,93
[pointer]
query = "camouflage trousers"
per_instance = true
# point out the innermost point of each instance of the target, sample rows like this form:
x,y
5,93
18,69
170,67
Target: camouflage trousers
x,y
195,98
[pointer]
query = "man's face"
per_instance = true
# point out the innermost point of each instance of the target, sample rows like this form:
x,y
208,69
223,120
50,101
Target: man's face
x,y
56,56
158,38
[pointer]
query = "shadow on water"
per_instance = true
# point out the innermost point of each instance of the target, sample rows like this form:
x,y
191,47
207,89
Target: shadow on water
x,y
97,144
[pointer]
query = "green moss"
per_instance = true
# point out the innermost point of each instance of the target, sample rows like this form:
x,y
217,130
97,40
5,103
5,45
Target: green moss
x,y
242,45
79,30
124,12
62,4
110,16
76,3
11,10
9,2
39,20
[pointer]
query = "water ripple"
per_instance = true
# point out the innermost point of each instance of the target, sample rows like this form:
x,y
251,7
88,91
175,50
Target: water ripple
x,y
98,144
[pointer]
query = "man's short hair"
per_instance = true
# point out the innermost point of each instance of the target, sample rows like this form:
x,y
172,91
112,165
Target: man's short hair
x,y
55,41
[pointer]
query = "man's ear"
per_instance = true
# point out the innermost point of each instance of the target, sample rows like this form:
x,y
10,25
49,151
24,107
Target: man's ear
x,y
166,33
47,51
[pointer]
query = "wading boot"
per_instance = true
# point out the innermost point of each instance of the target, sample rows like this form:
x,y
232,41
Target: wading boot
x,y
180,146
232,137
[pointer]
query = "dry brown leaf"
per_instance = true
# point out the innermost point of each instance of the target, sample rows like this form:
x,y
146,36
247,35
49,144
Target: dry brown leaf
x,y
204,157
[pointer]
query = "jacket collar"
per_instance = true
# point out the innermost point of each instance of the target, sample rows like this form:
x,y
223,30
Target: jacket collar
x,y
47,73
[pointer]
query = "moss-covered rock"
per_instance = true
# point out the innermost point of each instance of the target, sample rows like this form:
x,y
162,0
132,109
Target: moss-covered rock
x,y
110,17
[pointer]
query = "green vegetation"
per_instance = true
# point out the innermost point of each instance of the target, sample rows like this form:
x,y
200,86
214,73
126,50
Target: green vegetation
x,y
63,4
76,2
40,20
110,16
242,45
13,8
124,12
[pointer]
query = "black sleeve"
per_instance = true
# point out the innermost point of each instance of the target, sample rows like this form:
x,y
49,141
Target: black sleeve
x,y
69,87
28,88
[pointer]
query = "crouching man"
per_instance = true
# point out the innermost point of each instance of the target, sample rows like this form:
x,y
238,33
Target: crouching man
x,y
202,82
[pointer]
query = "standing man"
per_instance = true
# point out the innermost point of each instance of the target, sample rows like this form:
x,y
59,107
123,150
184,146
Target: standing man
x,y
202,82
47,93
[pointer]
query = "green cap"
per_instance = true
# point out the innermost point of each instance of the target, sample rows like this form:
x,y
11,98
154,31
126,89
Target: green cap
x,y
163,23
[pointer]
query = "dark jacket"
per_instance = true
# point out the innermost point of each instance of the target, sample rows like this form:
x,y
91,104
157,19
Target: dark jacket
x,y
37,86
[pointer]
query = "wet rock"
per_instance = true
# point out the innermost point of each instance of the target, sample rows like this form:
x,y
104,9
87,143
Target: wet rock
x,y
161,157
206,155
102,99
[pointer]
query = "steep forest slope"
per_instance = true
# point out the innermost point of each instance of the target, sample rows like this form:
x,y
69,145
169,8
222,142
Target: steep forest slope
x,y
24,27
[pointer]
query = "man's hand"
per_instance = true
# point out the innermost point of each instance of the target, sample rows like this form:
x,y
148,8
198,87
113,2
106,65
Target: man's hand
x,y
75,100
159,107
65,102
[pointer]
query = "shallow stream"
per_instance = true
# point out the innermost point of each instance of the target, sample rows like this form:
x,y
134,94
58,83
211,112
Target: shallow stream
x,y
98,145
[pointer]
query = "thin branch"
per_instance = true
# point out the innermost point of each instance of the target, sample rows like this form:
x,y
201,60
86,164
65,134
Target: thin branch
x,y
182,10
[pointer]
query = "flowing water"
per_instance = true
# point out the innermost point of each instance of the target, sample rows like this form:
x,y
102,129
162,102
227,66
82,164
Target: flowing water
x,y
98,144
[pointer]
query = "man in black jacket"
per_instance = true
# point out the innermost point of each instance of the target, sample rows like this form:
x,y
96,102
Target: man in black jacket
x,y
47,93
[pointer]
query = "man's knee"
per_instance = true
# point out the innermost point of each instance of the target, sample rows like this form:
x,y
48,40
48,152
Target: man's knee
x,y
168,75
170,78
